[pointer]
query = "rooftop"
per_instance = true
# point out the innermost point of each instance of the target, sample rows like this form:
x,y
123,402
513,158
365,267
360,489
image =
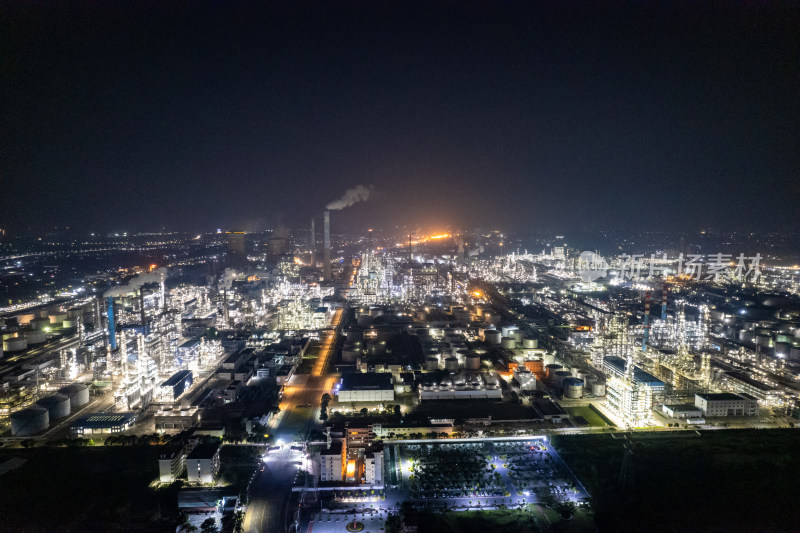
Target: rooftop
x,y
206,450
369,381
104,420
720,396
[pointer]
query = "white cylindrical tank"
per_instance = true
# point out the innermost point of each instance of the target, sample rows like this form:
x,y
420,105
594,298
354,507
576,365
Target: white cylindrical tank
x,y
517,337
573,388
492,336
29,421
530,343
57,405
15,344
78,394
508,343
548,358
36,336
508,331
58,318
472,362
561,375
451,364
599,389
431,363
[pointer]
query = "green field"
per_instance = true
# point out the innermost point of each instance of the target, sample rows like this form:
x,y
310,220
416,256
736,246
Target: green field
x,y
103,488
587,413
727,480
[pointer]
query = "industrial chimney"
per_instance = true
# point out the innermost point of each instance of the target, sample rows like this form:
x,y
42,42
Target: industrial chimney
x,y
326,259
112,329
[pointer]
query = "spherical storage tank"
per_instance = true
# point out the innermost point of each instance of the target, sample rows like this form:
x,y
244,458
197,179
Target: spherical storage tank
x,y
29,421
599,389
508,343
492,336
57,405
573,388
473,362
431,363
78,394
561,375
451,364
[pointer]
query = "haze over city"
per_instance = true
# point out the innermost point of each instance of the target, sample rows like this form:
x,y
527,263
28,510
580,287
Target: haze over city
x,y
534,115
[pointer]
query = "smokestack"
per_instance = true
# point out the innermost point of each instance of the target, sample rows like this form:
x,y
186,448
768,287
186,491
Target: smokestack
x,y
141,303
112,330
326,259
313,244
225,306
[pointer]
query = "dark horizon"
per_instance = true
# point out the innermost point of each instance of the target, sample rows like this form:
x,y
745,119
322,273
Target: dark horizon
x,y
559,117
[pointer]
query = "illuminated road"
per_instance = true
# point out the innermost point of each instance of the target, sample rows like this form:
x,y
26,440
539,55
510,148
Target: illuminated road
x,y
299,413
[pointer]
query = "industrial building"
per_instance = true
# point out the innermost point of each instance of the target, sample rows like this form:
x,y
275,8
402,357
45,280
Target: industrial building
x,y
370,387
726,404
202,464
103,423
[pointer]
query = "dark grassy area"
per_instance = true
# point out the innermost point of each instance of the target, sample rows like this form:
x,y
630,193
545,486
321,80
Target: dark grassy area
x,y
86,489
731,480
477,522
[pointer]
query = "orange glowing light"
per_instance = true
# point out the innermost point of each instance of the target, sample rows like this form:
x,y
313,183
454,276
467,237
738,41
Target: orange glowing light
x,y
153,267
440,236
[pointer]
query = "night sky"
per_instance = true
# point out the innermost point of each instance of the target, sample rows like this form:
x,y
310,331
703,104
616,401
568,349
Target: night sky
x,y
553,116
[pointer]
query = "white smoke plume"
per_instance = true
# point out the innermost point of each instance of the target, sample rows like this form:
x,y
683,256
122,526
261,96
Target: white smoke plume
x,y
226,280
353,195
156,276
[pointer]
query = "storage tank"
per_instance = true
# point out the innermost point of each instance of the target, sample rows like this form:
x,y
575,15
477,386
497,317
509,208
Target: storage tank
x,y
29,421
761,340
78,394
588,381
15,344
58,318
573,388
354,334
508,343
599,389
794,353
349,353
57,406
472,362
552,368
508,331
431,363
782,349
527,342
492,336
491,318
451,364
36,337
561,375
549,358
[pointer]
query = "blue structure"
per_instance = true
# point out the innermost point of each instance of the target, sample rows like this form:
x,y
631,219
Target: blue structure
x,y
179,382
112,331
